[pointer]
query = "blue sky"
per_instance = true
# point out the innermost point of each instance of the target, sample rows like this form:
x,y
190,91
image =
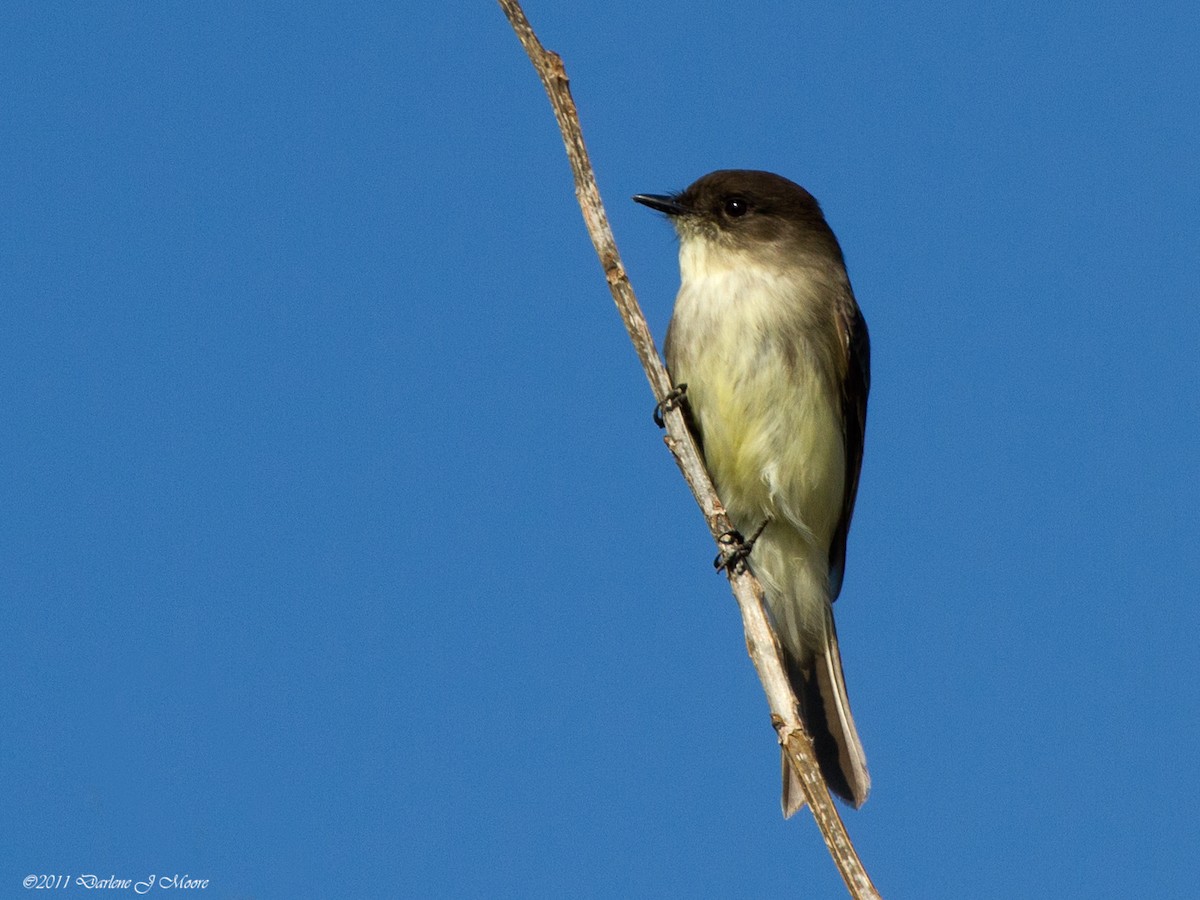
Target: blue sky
x,y
341,556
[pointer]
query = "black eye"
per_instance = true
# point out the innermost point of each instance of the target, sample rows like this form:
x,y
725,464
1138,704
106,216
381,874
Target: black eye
x,y
736,207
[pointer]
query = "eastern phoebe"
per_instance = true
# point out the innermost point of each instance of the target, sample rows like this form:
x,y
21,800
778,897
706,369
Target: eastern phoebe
x,y
771,345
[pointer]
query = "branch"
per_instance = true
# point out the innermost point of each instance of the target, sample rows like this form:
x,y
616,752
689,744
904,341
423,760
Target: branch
x,y
761,642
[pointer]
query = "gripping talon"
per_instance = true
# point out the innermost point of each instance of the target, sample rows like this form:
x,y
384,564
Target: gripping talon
x,y
735,550
668,403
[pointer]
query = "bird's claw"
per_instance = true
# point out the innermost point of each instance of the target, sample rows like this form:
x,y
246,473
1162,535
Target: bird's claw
x,y
666,404
735,550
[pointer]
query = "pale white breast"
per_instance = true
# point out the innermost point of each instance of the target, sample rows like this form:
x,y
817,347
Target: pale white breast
x,y
749,343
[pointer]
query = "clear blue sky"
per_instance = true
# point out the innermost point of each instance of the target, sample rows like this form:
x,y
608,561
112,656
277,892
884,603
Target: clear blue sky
x,y
340,556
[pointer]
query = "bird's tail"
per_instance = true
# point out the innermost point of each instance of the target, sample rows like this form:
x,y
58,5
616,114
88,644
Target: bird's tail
x,y
825,708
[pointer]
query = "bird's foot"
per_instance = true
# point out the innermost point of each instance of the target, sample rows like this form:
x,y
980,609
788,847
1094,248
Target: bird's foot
x,y
672,401
735,550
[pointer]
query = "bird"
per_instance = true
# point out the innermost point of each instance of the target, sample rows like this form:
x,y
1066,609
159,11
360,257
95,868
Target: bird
x,y
772,356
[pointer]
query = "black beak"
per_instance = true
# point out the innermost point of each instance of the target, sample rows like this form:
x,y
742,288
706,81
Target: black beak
x,y
664,203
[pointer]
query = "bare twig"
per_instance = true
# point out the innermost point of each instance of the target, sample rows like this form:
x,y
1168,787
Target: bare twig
x,y
760,638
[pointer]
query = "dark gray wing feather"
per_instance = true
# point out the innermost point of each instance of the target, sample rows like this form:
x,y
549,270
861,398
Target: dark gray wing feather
x,y
855,388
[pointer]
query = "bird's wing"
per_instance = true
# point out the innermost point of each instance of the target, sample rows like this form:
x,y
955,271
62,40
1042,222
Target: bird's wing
x,y
855,387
